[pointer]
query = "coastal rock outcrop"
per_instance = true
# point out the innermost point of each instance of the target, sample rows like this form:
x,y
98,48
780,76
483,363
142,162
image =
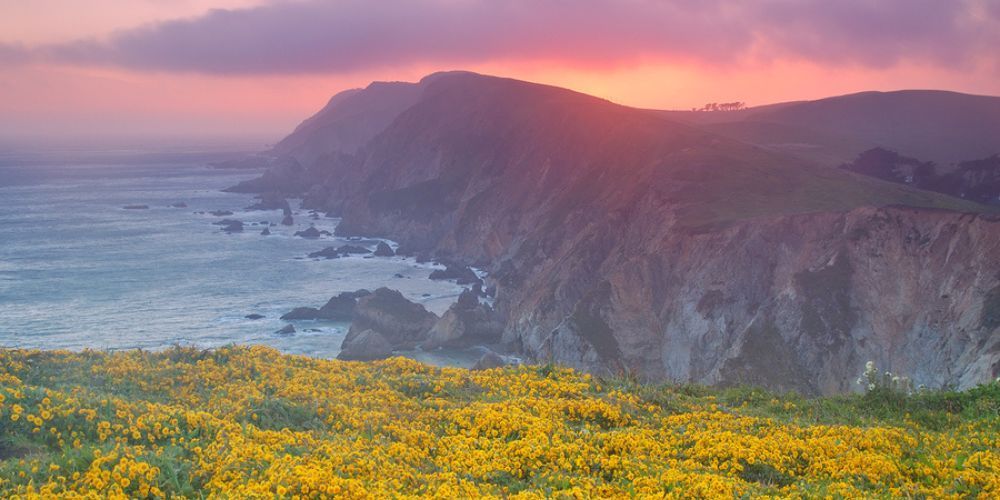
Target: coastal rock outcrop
x,y
404,324
271,201
462,275
366,345
230,225
338,308
383,250
311,233
467,322
489,361
341,251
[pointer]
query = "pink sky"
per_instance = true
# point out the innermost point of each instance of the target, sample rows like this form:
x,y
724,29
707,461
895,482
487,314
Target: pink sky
x,y
258,67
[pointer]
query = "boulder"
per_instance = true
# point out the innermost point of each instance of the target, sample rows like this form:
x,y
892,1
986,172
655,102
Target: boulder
x,y
287,220
341,251
221,213
462,275
312,233
338,308
326,253
230,225
286,330
136,207
341,307
365,345
489,361
403,323
465,323
180,204
254,316
301,313
266,232
383,250
352,249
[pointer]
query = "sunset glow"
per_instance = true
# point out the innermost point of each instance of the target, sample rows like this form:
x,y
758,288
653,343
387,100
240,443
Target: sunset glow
x,y
250,67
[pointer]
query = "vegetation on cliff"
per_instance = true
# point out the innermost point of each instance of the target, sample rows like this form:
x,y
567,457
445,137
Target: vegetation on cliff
x,y
249,421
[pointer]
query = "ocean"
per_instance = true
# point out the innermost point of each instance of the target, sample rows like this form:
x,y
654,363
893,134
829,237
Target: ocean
x,y
78,270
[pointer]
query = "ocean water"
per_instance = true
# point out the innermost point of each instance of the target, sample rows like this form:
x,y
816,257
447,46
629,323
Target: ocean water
x,y
77,270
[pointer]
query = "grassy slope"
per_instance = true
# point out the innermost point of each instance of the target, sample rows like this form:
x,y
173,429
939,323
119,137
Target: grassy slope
x,y
931,125
474,120
762,183
252,422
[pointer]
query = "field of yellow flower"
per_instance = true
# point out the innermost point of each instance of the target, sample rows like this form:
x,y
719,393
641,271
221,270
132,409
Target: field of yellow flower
x,y
251,422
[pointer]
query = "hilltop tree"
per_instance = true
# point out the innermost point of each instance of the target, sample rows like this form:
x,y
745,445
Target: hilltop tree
x,y
724,106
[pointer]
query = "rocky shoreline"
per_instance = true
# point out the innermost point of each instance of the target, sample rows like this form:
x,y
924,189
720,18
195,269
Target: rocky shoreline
x,y
384,323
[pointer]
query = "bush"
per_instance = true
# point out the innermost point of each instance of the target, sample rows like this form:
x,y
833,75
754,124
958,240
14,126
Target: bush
x,y
872,381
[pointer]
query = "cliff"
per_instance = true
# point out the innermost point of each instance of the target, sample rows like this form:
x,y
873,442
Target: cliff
x,y
623,241
788,302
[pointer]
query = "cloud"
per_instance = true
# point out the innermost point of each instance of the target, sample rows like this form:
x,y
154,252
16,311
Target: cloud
x,y
310,36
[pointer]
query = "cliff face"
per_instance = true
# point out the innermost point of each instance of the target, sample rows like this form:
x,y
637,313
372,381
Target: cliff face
x,y
620,240
791,302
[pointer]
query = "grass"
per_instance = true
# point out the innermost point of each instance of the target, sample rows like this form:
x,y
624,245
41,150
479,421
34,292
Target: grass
x,y
934,410
729,186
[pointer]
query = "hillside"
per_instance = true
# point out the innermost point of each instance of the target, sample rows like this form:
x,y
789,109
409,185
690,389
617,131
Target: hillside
x,y
483,120
250,422
348,121
975,180
944,127
621,240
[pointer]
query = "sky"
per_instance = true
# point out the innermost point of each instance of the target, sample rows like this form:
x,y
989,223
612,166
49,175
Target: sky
x,y
256,68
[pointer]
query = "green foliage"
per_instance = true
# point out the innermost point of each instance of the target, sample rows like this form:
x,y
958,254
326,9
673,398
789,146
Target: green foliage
x,y
277,413
765,474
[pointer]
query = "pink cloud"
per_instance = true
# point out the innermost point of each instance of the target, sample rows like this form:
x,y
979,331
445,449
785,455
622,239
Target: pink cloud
x,y
321,37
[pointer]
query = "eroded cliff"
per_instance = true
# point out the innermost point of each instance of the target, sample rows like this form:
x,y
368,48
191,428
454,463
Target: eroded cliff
x,y
621,241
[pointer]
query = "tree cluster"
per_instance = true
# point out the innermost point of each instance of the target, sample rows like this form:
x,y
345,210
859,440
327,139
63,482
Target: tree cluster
x,y
722,106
